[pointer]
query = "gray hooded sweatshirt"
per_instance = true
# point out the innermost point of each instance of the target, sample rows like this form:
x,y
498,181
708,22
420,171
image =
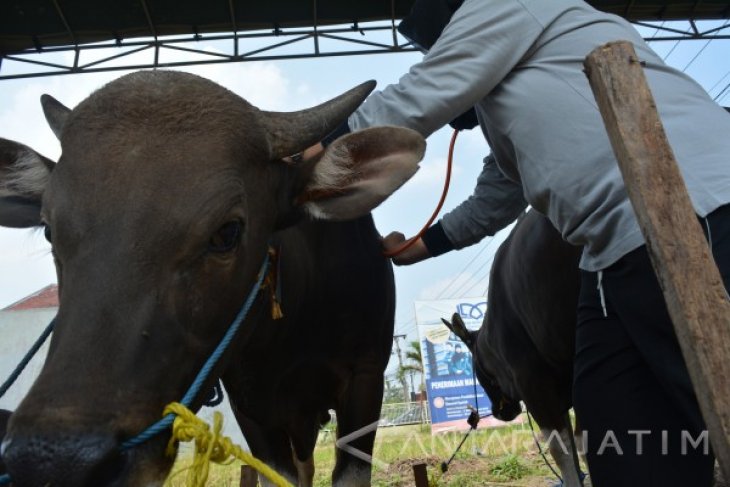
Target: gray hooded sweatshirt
x,y
520,62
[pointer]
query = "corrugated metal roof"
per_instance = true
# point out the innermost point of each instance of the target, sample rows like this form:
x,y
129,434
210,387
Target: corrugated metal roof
x,y
37,24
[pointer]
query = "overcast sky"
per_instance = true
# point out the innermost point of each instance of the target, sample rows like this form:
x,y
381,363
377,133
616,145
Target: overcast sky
x,y
25,263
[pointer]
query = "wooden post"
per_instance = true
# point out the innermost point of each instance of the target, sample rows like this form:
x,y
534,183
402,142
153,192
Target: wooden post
x,y
249,477
692,286
420,475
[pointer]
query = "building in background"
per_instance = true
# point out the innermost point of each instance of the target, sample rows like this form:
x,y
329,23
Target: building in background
x,y
21,324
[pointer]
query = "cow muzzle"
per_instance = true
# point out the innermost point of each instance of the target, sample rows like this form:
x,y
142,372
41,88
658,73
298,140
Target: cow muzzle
x,y
507,409
62,460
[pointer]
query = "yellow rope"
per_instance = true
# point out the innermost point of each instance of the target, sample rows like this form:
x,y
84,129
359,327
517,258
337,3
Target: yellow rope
x,y
210,446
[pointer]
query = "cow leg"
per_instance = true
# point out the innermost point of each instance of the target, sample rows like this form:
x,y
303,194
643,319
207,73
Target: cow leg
x,y
581,446
279,457
562,449
359,409
303,433
305,471
271,446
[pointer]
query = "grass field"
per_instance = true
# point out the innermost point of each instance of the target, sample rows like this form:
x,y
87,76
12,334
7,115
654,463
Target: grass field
x,y
505,456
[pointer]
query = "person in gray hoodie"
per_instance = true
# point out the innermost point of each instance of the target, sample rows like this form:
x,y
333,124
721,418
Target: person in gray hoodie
x,y
519,64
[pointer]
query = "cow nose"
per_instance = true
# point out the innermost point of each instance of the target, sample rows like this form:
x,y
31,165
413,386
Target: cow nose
x,y
62,460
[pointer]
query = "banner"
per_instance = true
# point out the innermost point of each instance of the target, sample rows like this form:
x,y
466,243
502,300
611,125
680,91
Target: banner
x,y
451,385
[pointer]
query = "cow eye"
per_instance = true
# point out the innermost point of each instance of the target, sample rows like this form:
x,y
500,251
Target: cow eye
x,y
226,238
47,233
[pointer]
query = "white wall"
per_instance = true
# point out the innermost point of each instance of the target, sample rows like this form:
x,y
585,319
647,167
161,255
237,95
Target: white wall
x,y
18,331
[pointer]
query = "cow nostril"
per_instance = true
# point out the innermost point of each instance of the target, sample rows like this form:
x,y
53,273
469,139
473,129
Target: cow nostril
x,y
61,460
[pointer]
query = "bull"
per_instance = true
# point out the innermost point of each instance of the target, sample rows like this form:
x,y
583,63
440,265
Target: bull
x,y
524,350
169,192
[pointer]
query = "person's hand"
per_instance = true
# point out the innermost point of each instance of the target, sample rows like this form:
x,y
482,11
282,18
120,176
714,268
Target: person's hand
x,y
415,253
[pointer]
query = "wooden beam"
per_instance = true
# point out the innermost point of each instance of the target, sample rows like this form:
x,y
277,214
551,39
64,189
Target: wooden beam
x,y
249,477
691,283
420,475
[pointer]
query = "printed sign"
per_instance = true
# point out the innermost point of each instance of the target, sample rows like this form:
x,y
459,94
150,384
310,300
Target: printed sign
x,y
451,385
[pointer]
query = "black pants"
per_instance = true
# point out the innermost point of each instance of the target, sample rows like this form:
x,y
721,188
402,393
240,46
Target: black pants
x,y
632,391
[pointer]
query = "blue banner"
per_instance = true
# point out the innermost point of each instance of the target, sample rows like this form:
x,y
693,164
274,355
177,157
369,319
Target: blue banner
x,y
451,386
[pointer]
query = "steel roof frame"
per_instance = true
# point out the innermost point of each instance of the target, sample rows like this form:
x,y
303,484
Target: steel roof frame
x,y
306,38
238,53
693,33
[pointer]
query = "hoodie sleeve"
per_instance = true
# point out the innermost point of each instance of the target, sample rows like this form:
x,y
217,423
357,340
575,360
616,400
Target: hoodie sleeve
x,y
495,203
482,43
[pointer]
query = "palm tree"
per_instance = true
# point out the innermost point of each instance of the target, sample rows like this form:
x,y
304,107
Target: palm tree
x,y
413,363
392,390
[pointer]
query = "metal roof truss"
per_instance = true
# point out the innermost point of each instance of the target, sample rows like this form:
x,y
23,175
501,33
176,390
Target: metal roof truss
x,y
278,44
295,43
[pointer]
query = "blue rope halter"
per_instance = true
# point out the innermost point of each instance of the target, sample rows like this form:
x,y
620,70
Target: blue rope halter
x,y
194,388
192,391
27,358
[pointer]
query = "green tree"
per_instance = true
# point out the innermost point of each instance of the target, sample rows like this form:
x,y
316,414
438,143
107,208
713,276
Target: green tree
x,y
413,363
393,390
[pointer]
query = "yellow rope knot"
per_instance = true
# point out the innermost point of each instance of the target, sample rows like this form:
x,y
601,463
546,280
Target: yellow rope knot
x,y
210,446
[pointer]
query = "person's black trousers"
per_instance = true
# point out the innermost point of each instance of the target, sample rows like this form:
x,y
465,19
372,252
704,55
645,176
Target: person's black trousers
x,y
632,392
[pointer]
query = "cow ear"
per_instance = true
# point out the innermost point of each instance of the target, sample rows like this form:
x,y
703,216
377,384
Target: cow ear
x,y
24,175
459,328
359,171
56,114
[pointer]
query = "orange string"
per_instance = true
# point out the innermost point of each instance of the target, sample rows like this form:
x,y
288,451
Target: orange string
x,y
408,243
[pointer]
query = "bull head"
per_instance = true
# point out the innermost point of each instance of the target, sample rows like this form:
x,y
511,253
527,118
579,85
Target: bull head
x,y
159,212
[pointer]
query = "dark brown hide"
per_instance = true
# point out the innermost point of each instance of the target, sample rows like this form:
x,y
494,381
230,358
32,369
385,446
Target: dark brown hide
x,y
524,349
167,195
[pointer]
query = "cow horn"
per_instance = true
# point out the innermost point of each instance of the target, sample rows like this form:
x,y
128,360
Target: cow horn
x,y
292,132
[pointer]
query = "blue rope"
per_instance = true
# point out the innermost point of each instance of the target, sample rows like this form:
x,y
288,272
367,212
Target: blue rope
x,y
189,396
28,356
539,448
166,421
